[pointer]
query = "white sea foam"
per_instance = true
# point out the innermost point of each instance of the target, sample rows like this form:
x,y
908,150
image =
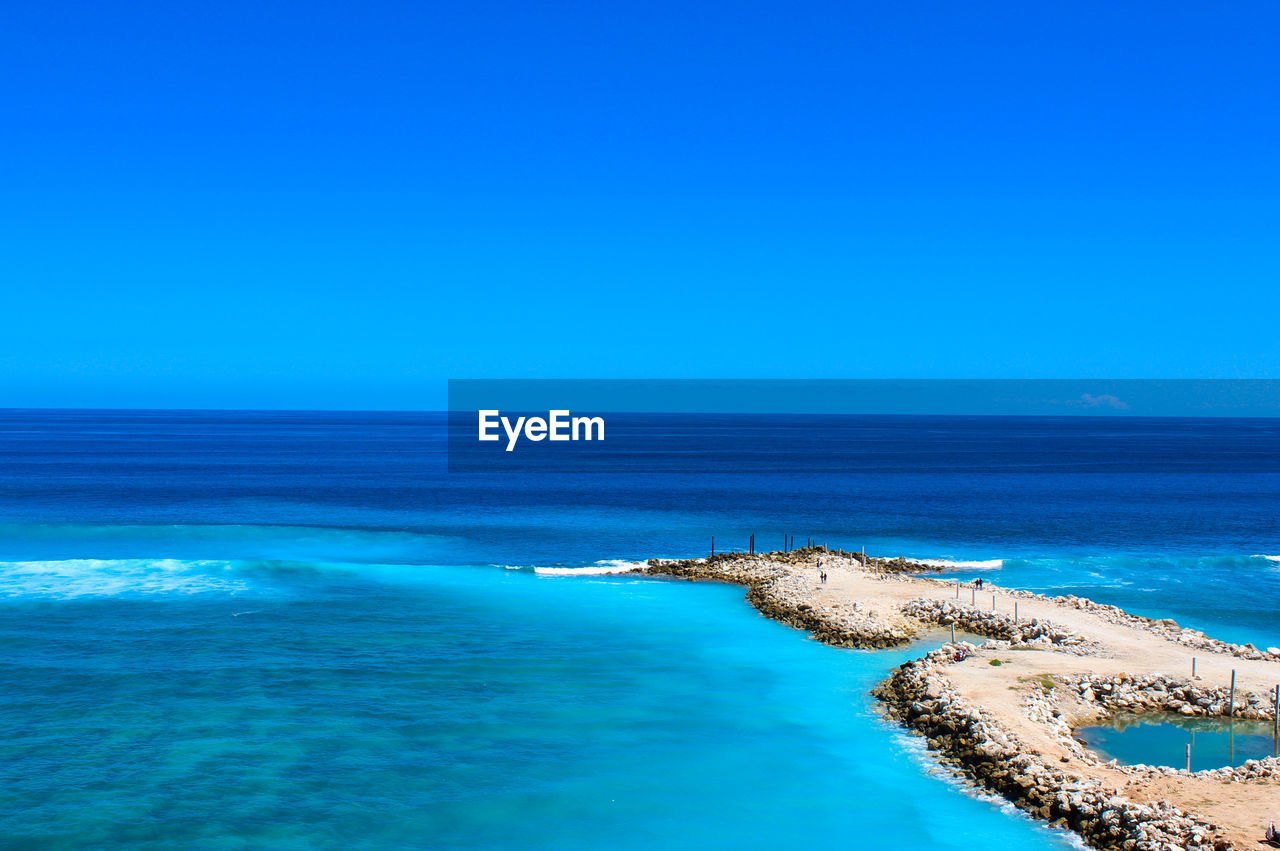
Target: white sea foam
x,y
84,577
989,564
1268,558
600,568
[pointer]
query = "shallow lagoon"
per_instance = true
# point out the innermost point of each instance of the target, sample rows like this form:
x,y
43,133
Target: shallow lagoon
x,y
1162,739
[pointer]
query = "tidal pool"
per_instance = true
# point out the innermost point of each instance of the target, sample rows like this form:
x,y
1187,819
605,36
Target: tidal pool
x,y
1162,739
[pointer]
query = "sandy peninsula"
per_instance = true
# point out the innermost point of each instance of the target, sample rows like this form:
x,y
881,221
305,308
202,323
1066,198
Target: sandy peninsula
x,y
1062,663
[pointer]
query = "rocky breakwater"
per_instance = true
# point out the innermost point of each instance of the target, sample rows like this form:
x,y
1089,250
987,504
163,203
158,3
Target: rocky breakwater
x,y
1159,693
783,593
1164,627
1018,632
919,695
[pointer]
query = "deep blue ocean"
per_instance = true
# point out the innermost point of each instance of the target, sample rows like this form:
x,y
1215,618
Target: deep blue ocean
x,y
229,629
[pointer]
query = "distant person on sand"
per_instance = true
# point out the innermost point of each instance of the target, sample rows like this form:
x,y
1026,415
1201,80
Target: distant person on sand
x,y
978,583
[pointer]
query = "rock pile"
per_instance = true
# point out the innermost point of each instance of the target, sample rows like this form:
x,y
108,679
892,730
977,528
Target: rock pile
x,y
1165,627
1157,693
1021,632
964,736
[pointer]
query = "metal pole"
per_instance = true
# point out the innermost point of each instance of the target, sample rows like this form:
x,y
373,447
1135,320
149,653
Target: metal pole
x,y
1193,667
993,602
1188,757
957,590
1015,610
1231,707
953,641
1275,716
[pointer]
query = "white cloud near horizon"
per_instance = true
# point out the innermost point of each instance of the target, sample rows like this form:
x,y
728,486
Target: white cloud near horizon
x,y
1105,400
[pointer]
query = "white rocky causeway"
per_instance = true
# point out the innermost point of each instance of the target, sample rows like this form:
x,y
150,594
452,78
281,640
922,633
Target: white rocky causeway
x,y
558,425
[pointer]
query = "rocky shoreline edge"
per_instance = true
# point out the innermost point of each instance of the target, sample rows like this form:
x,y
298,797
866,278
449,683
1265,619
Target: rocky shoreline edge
x,y
968,739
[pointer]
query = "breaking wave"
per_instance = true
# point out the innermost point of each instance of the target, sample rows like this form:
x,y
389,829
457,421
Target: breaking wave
x,y
88,577
600,568
988,564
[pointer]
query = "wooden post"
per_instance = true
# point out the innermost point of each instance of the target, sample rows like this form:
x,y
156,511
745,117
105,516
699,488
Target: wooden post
x,y
1015,610
957,590
1188,757
1193,667
973,596
993,602
1231,706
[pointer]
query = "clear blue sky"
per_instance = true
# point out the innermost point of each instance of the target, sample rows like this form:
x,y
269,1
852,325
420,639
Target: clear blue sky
x,y
336,205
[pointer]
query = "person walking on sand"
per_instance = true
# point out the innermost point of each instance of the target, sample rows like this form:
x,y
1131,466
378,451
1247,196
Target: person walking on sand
x,y
978,582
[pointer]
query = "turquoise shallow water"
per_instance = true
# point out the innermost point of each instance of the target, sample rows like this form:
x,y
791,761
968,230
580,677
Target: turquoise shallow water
x,y
251,704
1163,739
256,629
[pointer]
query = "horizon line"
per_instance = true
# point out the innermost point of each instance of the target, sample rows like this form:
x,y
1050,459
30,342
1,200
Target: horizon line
x,y
1094,415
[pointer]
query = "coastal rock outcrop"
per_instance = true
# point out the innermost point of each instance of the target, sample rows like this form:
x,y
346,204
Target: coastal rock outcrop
x,y
1158,693
1165,627
872,603
919,695
785,596
1018,632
